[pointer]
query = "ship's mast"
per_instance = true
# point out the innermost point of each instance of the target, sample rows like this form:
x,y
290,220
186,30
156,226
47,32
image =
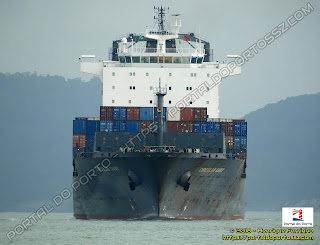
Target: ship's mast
x,y
160,92
161,11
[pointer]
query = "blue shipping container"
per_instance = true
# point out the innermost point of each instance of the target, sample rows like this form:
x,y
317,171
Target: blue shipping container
x,y
243,142
133,126
79,126
106,126
90,139
146,113
155,112
119,126
243,128
119,113
197,127
213,127
203,127
237,128
93,126
236,142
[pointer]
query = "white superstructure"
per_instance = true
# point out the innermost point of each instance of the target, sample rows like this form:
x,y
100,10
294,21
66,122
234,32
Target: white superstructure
x,y
181,61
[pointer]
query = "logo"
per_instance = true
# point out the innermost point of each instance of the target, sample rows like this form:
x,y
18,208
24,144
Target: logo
x,y
297,217
295,214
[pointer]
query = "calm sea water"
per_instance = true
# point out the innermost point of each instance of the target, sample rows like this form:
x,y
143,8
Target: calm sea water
x,y
61,228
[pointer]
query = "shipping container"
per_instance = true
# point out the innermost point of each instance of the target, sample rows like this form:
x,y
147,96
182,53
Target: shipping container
x,y
238,120
106,126
204,114
186,127
79,126
119,126
79,140
236,128
133,113
146,113
227,128
229,142
93,126
187,114
237,142
173,114
90,140
173,126
243,128
133,126
145,125
200,127
155,112
226,120
106,113
93,118
119,113
200,114
213,127
243,142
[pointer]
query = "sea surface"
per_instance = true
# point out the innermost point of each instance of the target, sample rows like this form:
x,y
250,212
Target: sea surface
x,y
63,228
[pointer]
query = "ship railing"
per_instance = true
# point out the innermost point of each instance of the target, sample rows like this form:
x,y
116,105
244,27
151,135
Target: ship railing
x,y
159,148
240,156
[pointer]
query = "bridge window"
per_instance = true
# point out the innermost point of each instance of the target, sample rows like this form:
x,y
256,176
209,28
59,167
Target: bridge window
x,y
130,87
185,60
147,74
128,59
150,101
207,102
153,59
113,74
144,59
161,59
134,87
168,60
194,60
151,87
208,75
176,60
122,59
169,88
170,74
169,101
199,60
131,74
112,101
136,59
113,87
129,101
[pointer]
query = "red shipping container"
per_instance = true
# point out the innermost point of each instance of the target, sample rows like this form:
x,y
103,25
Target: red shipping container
x,y
79,139
227,128
229,142
146,124
204,115
133,113
173,126
186,127
187,114
197,114
106,113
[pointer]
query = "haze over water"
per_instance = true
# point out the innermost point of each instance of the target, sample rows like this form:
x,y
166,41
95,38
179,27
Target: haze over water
x,y
62,228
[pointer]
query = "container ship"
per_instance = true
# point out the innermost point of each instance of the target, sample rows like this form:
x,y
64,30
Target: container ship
x,y
159,148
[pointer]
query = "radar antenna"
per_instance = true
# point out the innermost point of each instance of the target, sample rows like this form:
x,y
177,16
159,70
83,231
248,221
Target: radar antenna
x,y
161,11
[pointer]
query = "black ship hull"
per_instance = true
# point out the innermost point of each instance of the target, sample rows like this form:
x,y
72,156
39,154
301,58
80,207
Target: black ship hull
x,y
143,185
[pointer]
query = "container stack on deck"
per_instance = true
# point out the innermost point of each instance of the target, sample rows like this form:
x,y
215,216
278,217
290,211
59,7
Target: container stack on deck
x,y
136,119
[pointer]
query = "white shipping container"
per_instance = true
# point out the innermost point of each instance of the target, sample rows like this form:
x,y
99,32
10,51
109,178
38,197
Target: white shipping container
x,y
173,113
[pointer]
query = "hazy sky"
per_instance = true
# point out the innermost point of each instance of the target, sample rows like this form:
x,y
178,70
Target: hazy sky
x,y
49,36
